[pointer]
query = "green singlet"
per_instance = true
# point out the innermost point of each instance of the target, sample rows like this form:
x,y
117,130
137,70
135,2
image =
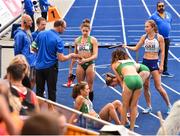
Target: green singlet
x,y
88,47
133,82
143,68
87,106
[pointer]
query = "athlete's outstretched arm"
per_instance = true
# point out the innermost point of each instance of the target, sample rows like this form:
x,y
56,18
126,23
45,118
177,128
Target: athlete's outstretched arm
x,y
138,45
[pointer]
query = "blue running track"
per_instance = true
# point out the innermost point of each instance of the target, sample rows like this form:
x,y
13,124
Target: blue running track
x,y
122,21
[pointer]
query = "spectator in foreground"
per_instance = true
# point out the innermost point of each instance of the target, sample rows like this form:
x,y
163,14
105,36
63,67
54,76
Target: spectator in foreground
x,y
171,125
45,124
15,75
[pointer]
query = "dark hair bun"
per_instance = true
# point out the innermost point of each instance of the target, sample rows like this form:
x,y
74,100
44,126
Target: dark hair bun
x,y
86,21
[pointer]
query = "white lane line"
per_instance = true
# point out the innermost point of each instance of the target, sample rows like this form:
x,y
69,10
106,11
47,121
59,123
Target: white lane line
x,y
136,31
102,26
106,39
99,39
96,66
69,38
172,8
175,43
68,35
132,36
176,40
122,22
115,90
175,23
94,12
175,31
145,6
69,7
105,26
72,30
65,69
176,46
170,88
107,36
102,30
123,27
172,59
175,36
114,26
108,26
173,56
110,6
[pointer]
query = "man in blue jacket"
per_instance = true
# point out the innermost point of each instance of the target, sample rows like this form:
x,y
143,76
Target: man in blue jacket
x,y
22,44
163,20
49,47
44,5
29,9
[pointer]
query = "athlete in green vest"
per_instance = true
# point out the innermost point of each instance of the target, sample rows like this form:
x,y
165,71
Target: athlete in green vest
x,y
87,47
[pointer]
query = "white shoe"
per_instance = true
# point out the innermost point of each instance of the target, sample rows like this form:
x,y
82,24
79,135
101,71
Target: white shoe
x,y
147,110
128,114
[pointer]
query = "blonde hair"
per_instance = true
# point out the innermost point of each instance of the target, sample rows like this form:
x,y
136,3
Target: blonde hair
x,y
13,101
20,59
153,25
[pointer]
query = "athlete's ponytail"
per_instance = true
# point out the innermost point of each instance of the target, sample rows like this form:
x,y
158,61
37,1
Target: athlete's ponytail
x,y
77,89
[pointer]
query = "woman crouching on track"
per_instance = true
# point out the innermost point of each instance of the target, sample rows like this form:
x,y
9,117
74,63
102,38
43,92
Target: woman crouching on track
x,y
153,42
87,47
126,74
83,103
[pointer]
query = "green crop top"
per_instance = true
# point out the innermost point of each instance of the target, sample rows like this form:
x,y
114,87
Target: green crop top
x,y
87,106
124,63
88,47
